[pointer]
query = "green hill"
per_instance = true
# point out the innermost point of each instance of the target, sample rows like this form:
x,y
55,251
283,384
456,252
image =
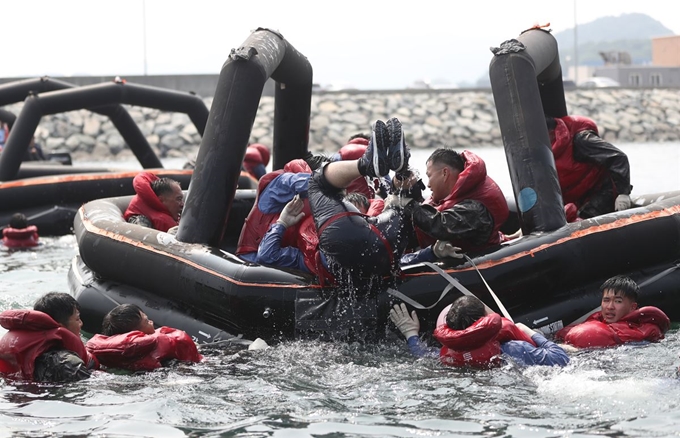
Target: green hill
x,y
630,33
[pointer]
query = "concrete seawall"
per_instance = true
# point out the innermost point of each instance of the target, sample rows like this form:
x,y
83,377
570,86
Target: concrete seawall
x,y
431,118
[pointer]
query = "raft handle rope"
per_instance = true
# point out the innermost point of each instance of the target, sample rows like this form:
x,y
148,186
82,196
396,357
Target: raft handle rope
x,y
452,283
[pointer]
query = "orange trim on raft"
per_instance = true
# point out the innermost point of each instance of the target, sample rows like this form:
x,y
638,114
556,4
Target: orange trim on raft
x,y
637,218
53,179
115,236
619,223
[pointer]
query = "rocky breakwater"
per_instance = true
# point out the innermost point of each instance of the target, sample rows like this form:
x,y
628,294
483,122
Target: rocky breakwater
x,y
457,119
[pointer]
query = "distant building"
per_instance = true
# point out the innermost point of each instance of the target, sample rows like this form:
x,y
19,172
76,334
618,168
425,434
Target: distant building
x,y
666,51
663,72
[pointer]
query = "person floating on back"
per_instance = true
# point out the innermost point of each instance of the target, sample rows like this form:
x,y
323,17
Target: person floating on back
x,y
158,203
44,344
18,234
620,320
129,341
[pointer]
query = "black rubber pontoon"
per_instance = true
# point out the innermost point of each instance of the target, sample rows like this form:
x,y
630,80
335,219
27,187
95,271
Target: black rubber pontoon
x,y
548,278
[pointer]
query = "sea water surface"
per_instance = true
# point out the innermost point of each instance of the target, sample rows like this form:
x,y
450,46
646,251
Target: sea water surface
x,y
306,388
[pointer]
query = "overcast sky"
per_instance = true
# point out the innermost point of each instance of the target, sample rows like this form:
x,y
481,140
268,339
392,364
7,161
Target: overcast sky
x,y
366,44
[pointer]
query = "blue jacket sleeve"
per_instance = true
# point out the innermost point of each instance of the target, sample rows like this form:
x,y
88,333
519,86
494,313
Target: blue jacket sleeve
x,y
424,255
281,190
546,352
419,349
270,252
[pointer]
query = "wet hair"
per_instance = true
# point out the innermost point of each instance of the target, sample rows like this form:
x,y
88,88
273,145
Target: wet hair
x,y
464,312
59,305
623,286
360,135
163,186
121,319
448,157
358,200
18,220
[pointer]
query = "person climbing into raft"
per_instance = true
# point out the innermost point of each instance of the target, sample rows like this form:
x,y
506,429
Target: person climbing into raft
x,y
358,246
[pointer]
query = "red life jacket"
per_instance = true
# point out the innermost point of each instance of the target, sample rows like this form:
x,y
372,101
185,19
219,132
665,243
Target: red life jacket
x,y
576,178
32,333
644,324
479,345
376,206
257,223
20,237
256,154
138,351
146,203
473,184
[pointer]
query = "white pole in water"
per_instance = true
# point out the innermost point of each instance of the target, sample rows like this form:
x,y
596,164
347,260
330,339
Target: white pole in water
x,y
575,47
144,31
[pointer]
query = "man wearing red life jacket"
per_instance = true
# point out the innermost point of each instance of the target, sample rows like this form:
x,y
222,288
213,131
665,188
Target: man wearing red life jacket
x,y
466,208
620,320
18,234
44,344
129,341
594,175
158,203
275,189
473,335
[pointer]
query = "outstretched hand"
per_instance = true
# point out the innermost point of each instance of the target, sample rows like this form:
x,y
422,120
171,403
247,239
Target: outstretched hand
x,y
443,249
292,212
622,202
408,325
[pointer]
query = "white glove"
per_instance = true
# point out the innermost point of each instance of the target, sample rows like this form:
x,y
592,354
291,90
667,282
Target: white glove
x,y
173,230
292,212
622,203
407,324
442,249
393,201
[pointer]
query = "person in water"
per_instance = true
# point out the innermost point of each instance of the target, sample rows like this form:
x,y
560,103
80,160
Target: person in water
x,y
466,208
619,321
594,175
18,234
473,335
44,344
158,203
129,341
